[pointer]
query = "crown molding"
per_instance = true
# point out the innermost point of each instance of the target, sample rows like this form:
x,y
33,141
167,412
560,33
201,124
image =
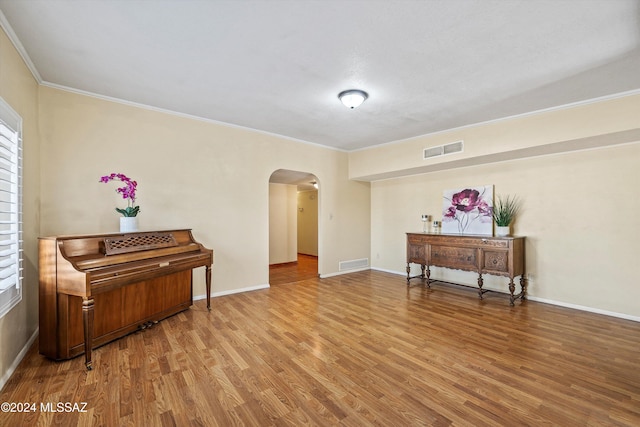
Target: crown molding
x,y
183,115
21,51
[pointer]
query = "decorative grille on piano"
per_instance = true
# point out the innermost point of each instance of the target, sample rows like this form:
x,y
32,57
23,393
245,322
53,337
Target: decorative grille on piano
x,y
138,242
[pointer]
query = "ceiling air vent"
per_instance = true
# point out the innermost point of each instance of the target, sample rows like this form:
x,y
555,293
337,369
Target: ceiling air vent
x,y
441,150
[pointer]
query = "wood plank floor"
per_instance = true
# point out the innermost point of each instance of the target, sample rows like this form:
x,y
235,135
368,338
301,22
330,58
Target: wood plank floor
x,y
305,268
354,350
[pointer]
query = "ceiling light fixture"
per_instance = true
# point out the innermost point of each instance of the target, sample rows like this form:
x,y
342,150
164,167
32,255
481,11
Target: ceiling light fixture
x,y
352,98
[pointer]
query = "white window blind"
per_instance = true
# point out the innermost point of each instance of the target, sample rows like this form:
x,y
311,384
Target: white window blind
x,y
10,208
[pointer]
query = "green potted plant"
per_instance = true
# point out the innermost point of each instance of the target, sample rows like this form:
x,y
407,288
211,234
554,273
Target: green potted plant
x,y
504,212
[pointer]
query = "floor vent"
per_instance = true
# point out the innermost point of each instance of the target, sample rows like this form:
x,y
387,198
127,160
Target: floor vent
x,y
441,150
353,264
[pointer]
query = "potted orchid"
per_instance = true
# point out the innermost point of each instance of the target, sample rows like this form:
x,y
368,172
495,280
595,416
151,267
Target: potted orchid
x,y
128,221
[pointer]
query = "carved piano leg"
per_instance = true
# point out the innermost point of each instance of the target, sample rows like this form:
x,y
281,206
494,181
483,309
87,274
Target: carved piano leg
x,y
512,288
480,283
208,280
87,320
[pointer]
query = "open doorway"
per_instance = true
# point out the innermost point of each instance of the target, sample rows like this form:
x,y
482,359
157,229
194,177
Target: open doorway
x,y
293,226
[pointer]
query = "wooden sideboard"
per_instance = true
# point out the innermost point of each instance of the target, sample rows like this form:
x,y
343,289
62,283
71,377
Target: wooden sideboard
x,y
501,256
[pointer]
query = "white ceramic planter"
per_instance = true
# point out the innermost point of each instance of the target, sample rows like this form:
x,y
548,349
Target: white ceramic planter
x,y
503,231
128,224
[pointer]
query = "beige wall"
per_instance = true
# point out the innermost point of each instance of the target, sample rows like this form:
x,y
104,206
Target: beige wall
x,y
20,90
196,174
579,209
595,124
293,223
308,222
283,229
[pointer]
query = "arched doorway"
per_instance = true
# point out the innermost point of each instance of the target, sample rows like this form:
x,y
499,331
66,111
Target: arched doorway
x,y
293,226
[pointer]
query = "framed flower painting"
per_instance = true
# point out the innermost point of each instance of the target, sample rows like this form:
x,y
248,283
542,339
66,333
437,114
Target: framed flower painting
x,y
468,210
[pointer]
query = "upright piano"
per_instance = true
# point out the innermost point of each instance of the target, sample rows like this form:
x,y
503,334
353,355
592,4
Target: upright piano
x,y
97,288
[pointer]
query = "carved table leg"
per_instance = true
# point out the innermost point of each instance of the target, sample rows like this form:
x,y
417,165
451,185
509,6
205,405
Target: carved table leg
x,y
523,287
208,284
427,274
87,321
512,288
408,273
480,283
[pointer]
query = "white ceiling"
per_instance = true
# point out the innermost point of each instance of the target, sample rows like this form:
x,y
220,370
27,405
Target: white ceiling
x,y
302,180
277,66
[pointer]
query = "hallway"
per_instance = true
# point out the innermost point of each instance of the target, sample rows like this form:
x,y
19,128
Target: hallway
x,y
305,268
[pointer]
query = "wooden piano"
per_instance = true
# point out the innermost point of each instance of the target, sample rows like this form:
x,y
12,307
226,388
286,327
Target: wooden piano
x,y
97,288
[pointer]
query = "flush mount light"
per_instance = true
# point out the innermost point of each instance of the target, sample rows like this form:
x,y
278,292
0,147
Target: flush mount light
x,y
352,98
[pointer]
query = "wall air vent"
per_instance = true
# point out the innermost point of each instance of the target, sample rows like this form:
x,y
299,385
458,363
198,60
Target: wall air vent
x,y
441,150
432,152
454,147
356,263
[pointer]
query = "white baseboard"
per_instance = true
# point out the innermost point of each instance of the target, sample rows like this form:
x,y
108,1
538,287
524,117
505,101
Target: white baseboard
x,y
340,273
390,271
18,359
548,301
583,308
233,291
